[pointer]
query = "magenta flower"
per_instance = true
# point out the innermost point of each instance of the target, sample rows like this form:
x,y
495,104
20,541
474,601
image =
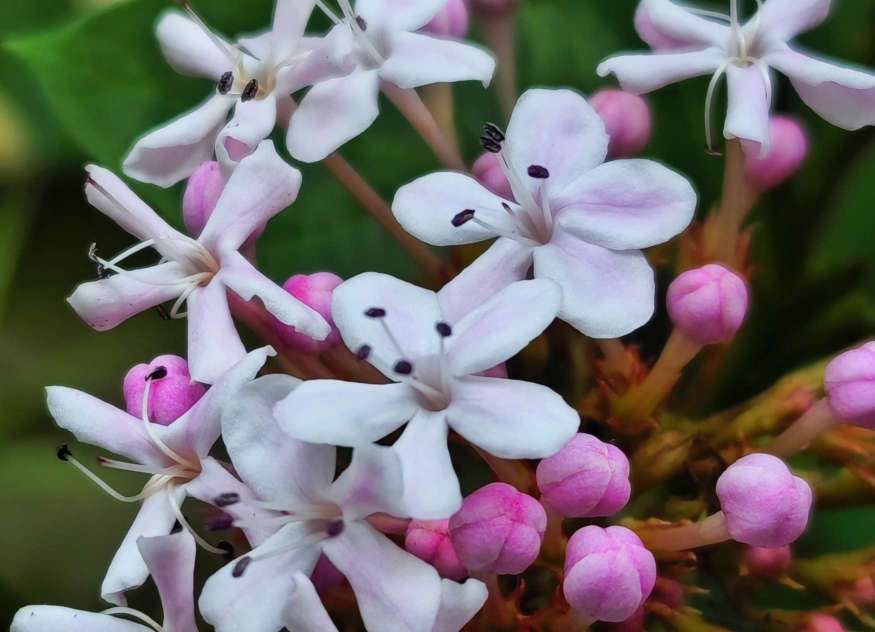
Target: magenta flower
x,y
171,454
689,43
577,221
300,513
433,347
251,76
199,272
708,305
170,387
170,561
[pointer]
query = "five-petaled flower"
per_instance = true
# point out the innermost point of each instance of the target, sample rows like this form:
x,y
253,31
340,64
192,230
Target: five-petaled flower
x,y
379,35
253,76
199,272
297,511
433,346
689,43
171,454
580,223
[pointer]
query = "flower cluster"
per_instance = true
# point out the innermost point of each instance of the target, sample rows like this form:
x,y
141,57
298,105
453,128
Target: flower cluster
x,y
343,452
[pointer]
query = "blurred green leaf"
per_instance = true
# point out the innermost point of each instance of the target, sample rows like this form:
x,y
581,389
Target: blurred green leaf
x,y
14,219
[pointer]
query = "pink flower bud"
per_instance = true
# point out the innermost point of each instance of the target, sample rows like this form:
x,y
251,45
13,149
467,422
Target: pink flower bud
x,y
429,540
768,562
764,503
325,575
787,152
171,390
608,573
498,530
850,385
820,622
487,171
314,290
627,120
708,304
202,191
585,479
451,21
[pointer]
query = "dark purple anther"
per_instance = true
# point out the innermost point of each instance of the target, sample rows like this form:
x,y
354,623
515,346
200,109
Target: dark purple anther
x,y
241,566
227,499
539,172
375,312
225,83
403,367
444,329
463,218
250,91
363,353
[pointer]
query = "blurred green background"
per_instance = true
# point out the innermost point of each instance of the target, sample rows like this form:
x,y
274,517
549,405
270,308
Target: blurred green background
x,y
81,79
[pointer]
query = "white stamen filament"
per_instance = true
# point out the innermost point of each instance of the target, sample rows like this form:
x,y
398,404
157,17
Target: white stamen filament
x,y
360,36
710,14
131,251
119,610
153,434
227,50
150,488
177,511
328,12
515,234
140,469
709,100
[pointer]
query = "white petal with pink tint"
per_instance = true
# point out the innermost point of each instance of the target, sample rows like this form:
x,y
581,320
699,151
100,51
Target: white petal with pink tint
x,y
418,60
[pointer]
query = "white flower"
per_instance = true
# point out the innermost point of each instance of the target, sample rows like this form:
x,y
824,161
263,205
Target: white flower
x,y
199,272
300,512
579,222
433,346
251,77
173,456
690,43
381,35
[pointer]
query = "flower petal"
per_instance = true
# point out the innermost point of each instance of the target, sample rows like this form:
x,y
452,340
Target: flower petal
x,y
664,24
170,560
247,282
253,121
261,186
627,204
97,423
332,113
48,618
418,60
411,315
642,73
189,50
785,19
128,569
328,57
305,612
108,302
502,326
372,483
559,130
843,96
426,208
459,604
504,262
605,294
511,419
272,463
345,413
256,600
198,429
173,151
431,487
214,345
407,15
290,19
394,589
749,105
213,481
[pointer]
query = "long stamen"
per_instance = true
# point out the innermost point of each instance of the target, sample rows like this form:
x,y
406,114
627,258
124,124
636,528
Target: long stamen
x,y
469,215
710,14
132,250
358,30
118,610
153,435
174,311
244,562
140,469
226,50
177,511
65,455
328,12
709,100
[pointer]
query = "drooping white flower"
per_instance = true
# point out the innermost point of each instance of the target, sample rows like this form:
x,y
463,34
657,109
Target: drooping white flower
x,y
575,220
688,43
433,346
170,561
252,77
381,35
172,455
298,512
199,272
